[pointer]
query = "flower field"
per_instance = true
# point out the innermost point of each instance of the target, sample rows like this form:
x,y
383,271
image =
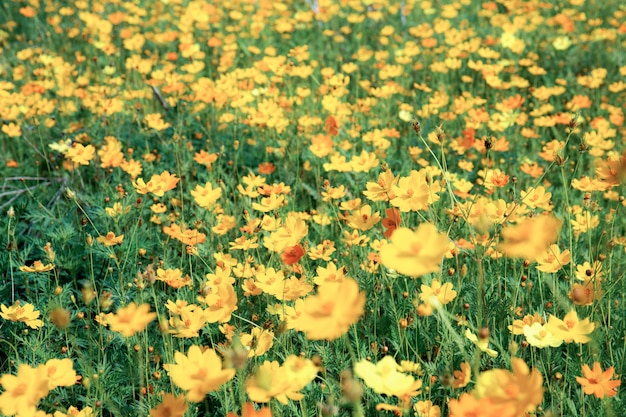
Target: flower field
x,y
312,208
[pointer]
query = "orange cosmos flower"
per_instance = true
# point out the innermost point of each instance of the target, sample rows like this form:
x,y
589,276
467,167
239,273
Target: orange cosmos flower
x,y
415,253
462,377
205,158
597,382
266,168
170,407
130,319
391,222
249,411
468,406
331,312
292,254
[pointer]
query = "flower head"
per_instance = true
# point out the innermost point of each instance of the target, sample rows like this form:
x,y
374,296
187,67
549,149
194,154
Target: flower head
x,y
598,382
331,312
199,372
415,253
130,319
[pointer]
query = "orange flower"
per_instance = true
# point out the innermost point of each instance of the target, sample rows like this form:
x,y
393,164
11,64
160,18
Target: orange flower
x,y
597,382
266,168
170,407
468,406
249,411
292,254
205,158
391,222
462,376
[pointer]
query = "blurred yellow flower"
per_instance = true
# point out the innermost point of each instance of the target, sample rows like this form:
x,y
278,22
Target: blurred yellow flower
x,y
415,253
23,391
171,406
155,122
130,319
330,313
521,390
271,380
385,378
530,238
60,373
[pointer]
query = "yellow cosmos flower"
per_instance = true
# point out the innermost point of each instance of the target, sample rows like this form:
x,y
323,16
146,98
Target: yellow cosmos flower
x,y
384,378
530,238
257,342
571,328
23,391
521,390
206,196
60,373
271,380
80,154
37,266
540,336
482,344
415,253
155,122
130,319
25,313
199,372
110,239
553,259
331,312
